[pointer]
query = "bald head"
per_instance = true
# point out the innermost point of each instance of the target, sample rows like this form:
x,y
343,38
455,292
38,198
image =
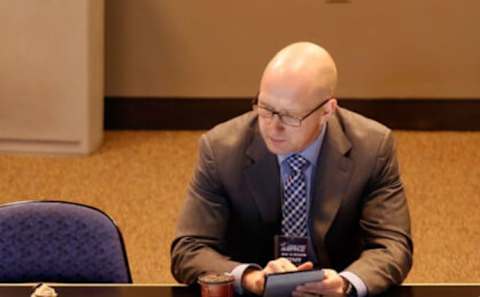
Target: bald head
x,y
296,83
304,68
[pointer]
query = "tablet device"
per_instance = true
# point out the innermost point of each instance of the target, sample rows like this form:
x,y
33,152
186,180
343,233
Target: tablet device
x,y
282,284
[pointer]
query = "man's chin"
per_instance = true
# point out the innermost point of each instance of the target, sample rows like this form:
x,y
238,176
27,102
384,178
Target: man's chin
x,y
278,148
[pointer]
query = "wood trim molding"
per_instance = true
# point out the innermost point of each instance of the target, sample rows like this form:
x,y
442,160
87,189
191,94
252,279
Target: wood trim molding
x,y
147,113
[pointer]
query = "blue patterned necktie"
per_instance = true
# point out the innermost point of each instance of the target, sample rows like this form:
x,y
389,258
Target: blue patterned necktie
x,y
294,211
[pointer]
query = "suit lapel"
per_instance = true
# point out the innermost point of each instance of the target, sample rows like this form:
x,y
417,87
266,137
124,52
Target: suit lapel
x,y
263,179
330,185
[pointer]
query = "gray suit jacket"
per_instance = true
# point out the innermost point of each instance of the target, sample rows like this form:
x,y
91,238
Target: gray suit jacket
x,y
359,214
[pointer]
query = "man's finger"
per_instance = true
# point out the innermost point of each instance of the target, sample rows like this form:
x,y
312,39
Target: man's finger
x,y
305,266
315,287
274,267
280,265
286,264
331,280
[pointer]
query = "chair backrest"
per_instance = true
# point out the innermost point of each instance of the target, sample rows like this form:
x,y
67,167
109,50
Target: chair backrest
x,y
55,241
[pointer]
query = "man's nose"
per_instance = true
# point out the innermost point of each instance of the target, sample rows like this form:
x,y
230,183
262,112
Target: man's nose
x,y
276,122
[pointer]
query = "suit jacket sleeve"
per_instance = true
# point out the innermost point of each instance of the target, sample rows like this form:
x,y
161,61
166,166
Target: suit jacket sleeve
x,y
385,225
200,235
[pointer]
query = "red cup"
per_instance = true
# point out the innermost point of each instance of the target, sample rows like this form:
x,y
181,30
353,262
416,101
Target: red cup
x,y
216,284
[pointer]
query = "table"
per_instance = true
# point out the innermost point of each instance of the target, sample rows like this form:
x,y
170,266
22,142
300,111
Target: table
x,y
139,290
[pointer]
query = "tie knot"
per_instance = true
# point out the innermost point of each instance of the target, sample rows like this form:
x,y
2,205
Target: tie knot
x,y
297,162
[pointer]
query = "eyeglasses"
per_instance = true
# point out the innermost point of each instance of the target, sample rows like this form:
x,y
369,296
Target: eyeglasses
x,y
289,120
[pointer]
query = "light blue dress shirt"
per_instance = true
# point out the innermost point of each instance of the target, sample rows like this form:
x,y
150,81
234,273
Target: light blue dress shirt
x,y
311,153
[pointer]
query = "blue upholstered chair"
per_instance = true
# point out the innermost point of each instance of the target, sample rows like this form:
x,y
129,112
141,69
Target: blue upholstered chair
x,y
54,241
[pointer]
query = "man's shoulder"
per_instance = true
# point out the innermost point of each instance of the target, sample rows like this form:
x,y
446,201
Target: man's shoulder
x,y
233,132
243,121
358,126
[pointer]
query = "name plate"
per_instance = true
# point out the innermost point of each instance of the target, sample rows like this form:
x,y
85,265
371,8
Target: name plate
x,y
295,249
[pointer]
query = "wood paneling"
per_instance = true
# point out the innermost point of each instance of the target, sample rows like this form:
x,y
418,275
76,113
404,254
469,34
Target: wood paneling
x,y
194,114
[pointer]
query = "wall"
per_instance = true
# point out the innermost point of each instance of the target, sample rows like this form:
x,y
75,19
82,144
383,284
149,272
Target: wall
x,y
51,75
215,48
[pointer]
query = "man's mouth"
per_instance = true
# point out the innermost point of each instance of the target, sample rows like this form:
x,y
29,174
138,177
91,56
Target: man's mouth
x,y
276,140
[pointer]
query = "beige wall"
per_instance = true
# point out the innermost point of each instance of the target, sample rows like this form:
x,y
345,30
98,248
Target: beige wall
x,y
51,75
210,48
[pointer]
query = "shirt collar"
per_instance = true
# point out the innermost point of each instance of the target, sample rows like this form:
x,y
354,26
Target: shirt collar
x,y
311,152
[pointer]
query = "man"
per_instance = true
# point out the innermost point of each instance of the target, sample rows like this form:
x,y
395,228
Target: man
x,y
345,199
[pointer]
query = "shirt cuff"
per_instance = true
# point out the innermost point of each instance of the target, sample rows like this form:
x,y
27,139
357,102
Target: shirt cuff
x,y
356,282
238,272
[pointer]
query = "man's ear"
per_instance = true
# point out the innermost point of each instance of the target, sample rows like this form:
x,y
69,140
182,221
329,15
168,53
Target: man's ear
x,y
331,107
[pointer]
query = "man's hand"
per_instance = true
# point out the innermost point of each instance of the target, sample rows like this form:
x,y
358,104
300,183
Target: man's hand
x,y
254,280
331,286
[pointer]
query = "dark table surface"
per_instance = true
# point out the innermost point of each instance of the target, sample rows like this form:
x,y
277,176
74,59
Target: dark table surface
x,y
470,290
